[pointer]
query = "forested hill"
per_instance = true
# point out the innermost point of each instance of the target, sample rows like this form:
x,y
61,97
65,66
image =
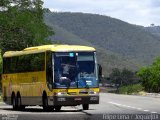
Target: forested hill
x,y
119,44
154,30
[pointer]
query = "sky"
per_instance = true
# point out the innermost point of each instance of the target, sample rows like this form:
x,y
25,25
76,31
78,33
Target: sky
x,y
139,12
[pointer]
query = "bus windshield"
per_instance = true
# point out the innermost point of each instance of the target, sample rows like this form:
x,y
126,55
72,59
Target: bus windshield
x,y
75,70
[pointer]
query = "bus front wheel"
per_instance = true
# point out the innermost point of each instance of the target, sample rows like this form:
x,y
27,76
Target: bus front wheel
x,y
45,103
46,107
85,106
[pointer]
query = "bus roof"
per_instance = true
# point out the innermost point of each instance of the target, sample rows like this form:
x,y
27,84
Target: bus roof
x,y
54,48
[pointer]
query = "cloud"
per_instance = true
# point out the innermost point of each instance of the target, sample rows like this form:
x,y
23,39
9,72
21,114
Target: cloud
x,y
140,12
155,3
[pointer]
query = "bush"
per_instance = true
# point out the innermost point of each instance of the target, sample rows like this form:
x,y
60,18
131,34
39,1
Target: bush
x,y
131,89
150,76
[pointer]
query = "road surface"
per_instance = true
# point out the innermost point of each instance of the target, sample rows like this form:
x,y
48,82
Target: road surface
x,y
109,104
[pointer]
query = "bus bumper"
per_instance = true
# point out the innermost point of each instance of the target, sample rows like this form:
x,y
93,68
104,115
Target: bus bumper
x,y
75,100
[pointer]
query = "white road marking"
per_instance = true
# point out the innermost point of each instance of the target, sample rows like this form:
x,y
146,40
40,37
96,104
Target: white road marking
x,y
133,107
124,105
153,112
130,107
146,110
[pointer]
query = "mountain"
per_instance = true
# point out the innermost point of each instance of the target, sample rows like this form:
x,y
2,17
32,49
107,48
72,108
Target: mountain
x,y
155,30
119,44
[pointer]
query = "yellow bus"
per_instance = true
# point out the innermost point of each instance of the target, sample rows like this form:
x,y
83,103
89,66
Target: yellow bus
x,y
51,76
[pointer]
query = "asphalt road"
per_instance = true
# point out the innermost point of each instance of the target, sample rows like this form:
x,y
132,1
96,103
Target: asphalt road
x,y
109,104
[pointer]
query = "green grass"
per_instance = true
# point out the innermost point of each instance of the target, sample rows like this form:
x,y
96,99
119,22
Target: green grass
x,y
131,89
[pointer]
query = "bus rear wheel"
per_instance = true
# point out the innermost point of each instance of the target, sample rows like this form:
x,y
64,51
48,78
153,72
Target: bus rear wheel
x,y
19,103
85,106
14,102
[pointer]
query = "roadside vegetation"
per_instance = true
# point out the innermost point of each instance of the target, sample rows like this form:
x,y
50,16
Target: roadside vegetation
x,y
146,80
123,77
131,89
123,82
22,25
150,77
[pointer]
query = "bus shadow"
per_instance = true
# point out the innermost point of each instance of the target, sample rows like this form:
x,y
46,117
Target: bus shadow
x,y
41,110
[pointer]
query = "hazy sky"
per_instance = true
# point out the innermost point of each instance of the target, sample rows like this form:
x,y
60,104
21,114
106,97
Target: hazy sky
x,y
140,12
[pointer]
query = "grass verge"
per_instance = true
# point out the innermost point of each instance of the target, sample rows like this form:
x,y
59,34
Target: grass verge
x,y
131,89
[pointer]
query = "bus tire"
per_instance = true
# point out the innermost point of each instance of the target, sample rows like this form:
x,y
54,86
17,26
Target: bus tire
x,y
45,102
57,108
85,106
14,102
50,108
19,103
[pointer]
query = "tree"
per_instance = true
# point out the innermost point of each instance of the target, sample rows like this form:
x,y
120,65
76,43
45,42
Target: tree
x,y
115,76
127,77
150,76
22,24
123,77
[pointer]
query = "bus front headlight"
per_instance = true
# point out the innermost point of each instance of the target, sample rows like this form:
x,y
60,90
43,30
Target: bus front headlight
x,y
60,93
93,93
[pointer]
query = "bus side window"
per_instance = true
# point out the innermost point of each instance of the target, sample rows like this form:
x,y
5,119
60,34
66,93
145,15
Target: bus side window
x,y
37,62
9,65
5,65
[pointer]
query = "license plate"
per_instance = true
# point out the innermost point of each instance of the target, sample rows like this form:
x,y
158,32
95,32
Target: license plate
x,y
77,99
